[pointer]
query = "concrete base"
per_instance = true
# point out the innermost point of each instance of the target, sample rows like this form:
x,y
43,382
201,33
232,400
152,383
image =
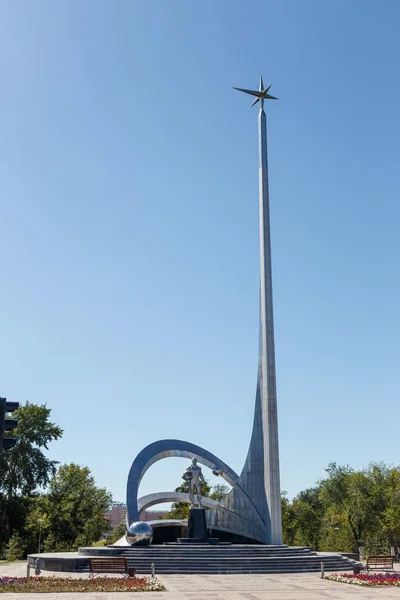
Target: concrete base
x,y
207,559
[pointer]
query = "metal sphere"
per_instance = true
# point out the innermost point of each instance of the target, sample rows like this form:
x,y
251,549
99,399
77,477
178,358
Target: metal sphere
x,y
139,533
217,471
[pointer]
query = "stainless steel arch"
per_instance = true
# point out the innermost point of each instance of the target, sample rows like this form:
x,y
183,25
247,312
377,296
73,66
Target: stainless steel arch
x,y
145,502
164,449
232,515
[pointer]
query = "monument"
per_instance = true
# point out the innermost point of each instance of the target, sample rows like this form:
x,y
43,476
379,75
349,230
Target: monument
x,y
251,512
197,524
194,476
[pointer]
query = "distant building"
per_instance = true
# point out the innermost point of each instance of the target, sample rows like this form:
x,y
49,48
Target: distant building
x,y
153,515
117,514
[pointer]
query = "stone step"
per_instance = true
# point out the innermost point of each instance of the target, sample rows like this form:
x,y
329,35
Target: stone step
x,y
149,552
226,565
193,550
337,564
315,557
149,556
180,570
212,549
171,559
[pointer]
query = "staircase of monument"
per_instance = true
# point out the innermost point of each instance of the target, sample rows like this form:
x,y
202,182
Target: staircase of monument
x,y
175,559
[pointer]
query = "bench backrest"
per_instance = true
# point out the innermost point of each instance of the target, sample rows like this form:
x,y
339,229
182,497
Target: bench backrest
x,y
380,560
108,564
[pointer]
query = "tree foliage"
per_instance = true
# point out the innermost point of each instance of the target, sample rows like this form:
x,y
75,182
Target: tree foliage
x,y
347,510
75,509
65,506
25,468
219,491
15,547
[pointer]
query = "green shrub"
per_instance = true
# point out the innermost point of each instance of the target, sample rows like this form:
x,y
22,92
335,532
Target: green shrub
x,y
15,548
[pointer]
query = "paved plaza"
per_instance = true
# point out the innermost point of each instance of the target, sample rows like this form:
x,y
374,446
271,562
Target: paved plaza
x,y
297,586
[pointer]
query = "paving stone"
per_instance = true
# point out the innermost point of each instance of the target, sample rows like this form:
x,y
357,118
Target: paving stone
x,y
301,586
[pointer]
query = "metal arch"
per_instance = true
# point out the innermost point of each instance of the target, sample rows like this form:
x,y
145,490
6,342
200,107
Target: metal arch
x,y
145,502
164,449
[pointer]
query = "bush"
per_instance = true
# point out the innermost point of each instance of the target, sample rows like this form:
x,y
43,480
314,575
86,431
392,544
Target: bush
x,y
15,548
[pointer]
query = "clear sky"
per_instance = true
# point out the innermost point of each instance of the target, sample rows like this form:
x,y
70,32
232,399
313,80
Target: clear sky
x,y
129,227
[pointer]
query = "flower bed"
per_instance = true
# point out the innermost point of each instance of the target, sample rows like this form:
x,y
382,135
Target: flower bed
x,y
25,585
366,578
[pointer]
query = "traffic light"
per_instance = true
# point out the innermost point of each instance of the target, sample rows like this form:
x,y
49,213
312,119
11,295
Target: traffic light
x,y
7,424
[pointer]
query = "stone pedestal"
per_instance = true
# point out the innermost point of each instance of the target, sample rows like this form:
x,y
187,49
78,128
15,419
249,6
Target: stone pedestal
x,y
197,523
198,533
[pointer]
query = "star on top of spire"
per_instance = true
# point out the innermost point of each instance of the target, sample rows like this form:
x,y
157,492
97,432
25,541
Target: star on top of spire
x,y
261,94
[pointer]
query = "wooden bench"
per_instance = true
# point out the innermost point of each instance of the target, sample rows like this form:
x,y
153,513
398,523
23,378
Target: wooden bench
x,y
379,563
111,564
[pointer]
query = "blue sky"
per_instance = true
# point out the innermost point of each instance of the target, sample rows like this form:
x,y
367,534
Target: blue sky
x,y
129,227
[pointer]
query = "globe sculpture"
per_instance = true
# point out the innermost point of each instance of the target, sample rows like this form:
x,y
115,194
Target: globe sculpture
x,y
139,533
217,471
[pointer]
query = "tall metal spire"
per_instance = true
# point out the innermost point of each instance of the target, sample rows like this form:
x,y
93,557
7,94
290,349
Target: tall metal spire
x,y
260,477
252,508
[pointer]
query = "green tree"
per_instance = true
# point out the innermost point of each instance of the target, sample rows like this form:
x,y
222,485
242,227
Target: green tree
x,y
308,513
75,509
219,491
336,535
386,490
35,522
289,523
25,468
351,494
15,547
302,519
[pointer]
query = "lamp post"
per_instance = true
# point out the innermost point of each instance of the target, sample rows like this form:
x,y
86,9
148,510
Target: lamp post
x,y
40,521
